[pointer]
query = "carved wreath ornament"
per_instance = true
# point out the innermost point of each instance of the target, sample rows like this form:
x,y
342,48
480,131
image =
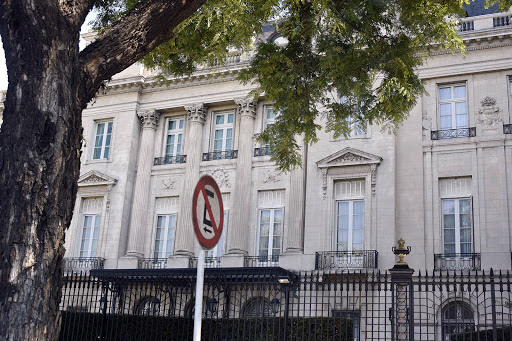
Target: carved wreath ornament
x,y
489,115
221,177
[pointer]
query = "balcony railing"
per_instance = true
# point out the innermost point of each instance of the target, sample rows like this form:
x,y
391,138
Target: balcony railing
x,y
261,261
484,22
507,129
169,159
81,265
209,262
262,151
365,259
152,263
457,261
452,133
226,154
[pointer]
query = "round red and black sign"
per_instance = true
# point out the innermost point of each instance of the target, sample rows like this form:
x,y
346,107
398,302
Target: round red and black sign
x,y
207,212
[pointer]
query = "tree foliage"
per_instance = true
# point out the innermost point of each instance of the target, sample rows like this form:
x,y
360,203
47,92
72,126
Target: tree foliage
x,y
364,51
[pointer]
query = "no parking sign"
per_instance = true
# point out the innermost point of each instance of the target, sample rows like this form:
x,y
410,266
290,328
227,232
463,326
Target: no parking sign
x,y
207,212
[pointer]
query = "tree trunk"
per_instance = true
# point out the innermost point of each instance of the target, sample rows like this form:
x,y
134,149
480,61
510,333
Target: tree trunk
x,y
39,166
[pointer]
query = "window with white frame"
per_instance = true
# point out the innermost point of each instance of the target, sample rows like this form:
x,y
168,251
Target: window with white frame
x,y
164,235
220,248
102,140
453,106
456,215
270,224
174,140
224,124
91,219
510,97
349,200
356,127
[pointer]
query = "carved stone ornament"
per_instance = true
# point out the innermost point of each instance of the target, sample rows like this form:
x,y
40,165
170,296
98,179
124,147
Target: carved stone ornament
x,y
169,184
246,107
489,115
196,112
373,168
270,176
324,183
349,157
149,119
222,177
426,121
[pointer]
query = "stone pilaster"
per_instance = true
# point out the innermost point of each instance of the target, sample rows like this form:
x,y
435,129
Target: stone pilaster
x,y
149,121
239,228
196,115
294,238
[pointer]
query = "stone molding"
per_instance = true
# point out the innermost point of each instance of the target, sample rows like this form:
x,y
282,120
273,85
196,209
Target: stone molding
x,y
95,178
221,177
149,119
349,157
246,107
196,112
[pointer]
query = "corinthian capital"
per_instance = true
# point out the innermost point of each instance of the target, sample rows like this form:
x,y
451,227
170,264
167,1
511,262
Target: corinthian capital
x,y
149,119
246,107
197,112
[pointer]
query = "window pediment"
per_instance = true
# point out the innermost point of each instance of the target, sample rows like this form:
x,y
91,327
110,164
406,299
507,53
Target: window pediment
x,y
95,178
348,157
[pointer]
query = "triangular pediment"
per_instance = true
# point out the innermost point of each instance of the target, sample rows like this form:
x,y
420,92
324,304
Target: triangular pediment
x,y
95,178
348,157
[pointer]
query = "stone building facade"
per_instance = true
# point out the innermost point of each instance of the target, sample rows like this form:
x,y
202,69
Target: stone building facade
x,y
442,182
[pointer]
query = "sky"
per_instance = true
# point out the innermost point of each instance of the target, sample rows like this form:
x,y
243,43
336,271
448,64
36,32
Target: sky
x,y
3,68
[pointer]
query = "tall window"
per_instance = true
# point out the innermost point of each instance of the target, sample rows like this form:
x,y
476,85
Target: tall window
x,y
219,249
453,106
102,140
457,318
350,215
356,127
271,231
91,219
90,232
223,131
457,225
164,235
456,215
174,140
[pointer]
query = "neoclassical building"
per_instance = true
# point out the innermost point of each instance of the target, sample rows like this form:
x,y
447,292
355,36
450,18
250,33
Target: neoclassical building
x,y
442,182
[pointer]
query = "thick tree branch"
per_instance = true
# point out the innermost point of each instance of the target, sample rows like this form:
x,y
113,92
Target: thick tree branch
x,y
145,27
75,11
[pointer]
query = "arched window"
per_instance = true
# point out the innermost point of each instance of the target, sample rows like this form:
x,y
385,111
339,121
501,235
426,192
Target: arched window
x,y
257,307
148,306
457,317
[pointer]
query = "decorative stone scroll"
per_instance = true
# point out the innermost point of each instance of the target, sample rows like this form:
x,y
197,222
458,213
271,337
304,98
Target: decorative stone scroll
x,y
222,177
169,184
270,176
489,115
197,112
149,119
246,107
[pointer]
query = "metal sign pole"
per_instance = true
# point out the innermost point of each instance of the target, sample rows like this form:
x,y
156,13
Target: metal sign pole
x,y
199,296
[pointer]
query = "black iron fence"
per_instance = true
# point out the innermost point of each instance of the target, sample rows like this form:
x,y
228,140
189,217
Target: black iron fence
x,y
76,265
275,304
226,154
170,159
457,261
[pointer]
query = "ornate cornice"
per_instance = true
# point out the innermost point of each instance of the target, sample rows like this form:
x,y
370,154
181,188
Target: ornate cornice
x,y
149,119
95,178
246,107
196,112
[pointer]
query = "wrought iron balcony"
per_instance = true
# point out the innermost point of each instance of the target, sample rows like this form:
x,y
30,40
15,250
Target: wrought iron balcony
x,y
262,151
169,159
365,259
261,261
507,129
81,265
209,262
152,263
457,261
226,154
452,133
